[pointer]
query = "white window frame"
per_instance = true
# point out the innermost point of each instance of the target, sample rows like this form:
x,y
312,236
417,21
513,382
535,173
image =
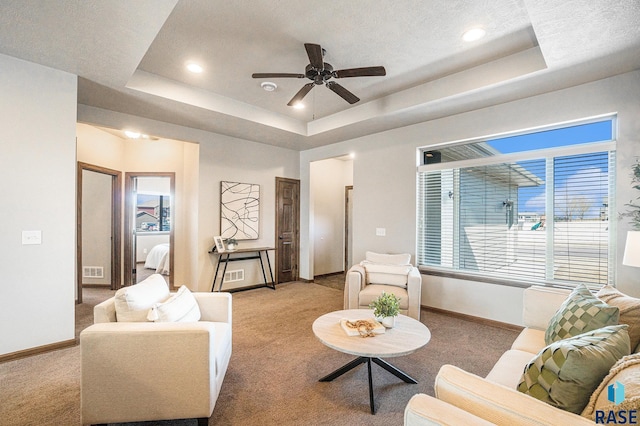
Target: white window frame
x,y
547,154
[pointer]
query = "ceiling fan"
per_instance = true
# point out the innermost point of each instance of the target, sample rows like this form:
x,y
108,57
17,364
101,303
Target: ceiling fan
x,y
320,72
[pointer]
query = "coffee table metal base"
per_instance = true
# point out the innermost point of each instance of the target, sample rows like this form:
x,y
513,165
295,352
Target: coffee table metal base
x,y
361,360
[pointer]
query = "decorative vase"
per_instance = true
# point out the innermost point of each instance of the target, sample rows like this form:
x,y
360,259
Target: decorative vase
x,y
231,246
388,322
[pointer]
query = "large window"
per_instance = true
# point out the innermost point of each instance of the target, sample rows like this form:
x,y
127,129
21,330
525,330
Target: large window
x,y
531,208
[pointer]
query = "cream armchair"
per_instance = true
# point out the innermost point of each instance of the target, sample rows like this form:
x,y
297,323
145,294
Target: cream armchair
x,y
137,371
391,273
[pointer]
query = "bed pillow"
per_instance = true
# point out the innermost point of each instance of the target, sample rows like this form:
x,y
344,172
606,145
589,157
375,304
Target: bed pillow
x,y
181,307
565,373
580,312
132,303
626,372
629,311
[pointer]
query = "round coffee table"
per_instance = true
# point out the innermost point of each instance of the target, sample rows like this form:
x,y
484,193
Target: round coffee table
x,y
407,336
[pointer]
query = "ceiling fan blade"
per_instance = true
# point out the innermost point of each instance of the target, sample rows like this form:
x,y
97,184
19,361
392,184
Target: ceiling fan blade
x,y
301,94
342,92
360,72
314,52
276,75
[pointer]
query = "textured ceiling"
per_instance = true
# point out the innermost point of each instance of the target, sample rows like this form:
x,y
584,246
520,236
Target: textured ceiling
x,y
131,56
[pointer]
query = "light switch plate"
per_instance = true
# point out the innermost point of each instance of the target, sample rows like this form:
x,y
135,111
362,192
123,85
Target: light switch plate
x,y
381,232
31,237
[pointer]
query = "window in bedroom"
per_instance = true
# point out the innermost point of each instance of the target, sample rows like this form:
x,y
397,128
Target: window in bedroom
x,y
528,208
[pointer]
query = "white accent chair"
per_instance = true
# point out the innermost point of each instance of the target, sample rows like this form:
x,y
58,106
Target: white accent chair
x,y
140,371
391,273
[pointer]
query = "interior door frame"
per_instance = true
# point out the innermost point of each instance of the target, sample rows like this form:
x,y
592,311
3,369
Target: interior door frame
x,y
128,208
346,225
277,228
116,221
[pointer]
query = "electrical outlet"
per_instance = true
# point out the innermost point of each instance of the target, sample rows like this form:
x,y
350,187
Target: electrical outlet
x,y
144,251
381,232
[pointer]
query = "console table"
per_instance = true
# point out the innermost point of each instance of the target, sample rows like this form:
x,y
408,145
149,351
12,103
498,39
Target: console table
x,y
243,254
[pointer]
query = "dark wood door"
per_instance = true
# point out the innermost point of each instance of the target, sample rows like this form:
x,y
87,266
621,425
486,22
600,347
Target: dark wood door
x,y
287,229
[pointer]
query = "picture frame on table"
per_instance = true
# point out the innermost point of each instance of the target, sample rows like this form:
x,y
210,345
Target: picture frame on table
x,y
219,244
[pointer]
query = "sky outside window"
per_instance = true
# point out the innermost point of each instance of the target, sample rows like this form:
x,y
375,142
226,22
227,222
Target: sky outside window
x,y
568,181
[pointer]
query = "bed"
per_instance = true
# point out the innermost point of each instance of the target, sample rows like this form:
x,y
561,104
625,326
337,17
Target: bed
x,y
158,259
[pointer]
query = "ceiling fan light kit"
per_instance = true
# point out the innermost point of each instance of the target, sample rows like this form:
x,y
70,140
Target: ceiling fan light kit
x,y
320,72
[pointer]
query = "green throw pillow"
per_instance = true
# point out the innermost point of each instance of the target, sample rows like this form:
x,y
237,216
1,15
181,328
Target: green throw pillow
x,y
565,373
581,312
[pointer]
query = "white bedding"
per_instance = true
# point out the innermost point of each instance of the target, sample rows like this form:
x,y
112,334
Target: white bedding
x,y
158,259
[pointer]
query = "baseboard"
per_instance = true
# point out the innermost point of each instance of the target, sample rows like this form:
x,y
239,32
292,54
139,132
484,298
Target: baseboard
x,y
328,275
472,318
108,286
37,350
306,281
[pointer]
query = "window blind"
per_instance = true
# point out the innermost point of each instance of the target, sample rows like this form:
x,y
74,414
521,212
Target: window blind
x,y
538,220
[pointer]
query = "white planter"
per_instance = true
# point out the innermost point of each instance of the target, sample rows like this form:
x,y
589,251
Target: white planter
x,y
388,322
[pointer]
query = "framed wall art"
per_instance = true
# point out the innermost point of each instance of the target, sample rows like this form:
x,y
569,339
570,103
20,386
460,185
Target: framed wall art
x,y
239,210
219,244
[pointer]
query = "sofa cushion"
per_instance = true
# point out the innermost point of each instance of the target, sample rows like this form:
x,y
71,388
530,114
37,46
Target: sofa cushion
x,y
373,291
133,302
581,312
565,373
629,311
508,370
180,307
626,372
530,340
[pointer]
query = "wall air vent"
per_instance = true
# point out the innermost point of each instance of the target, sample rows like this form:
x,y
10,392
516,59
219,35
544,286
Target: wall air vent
x,y
236,275
92,272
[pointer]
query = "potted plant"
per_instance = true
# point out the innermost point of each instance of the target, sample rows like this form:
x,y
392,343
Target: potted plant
x,y
634,205
231,243
386,308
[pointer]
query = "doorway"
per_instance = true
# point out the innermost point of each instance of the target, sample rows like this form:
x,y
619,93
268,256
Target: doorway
x,y
99,205
287,229
330,185
348,227
149,226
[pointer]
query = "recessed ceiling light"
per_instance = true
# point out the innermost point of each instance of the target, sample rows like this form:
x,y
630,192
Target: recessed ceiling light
x,y
268,86
132,134
298,105
473,34
194,68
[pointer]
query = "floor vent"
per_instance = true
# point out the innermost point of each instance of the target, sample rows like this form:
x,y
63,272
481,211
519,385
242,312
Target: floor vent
x,y
92,272
231,276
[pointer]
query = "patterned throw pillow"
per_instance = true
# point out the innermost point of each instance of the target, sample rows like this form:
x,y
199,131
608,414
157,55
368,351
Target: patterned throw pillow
x,y
629,311
625,371
565,373
581,312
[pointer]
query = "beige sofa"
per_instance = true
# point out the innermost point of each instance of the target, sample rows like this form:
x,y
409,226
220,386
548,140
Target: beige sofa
x,y
464,398
137,371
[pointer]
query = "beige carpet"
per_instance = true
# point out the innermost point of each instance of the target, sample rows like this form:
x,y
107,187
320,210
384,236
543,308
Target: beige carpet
x,y
274,370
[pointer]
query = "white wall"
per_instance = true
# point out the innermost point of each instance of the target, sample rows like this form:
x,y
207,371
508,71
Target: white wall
x,y
385,178
98,147
37,168
237,160
219,158
328,179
